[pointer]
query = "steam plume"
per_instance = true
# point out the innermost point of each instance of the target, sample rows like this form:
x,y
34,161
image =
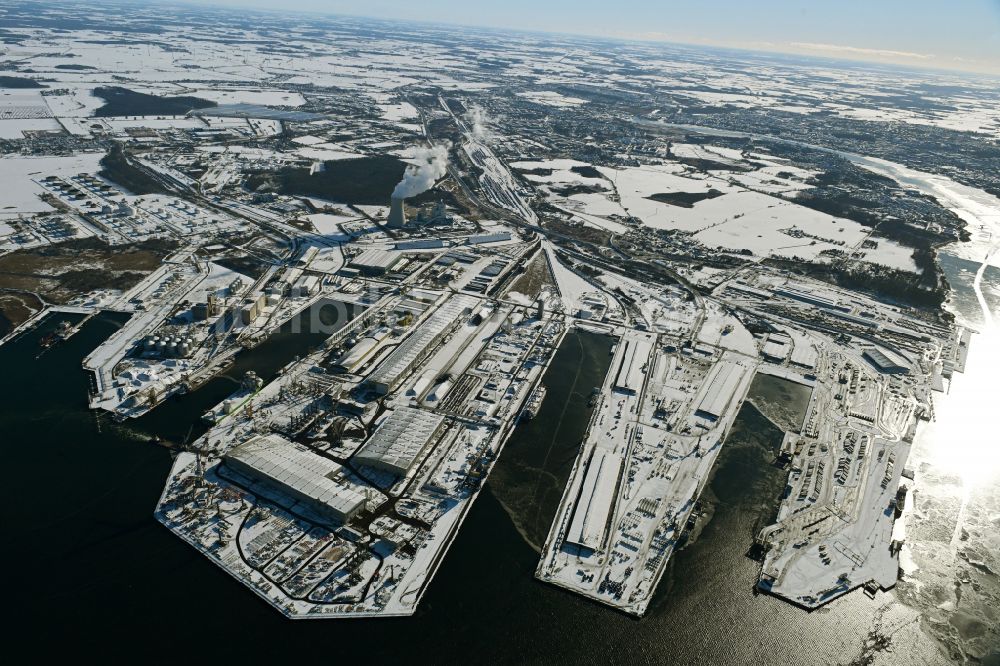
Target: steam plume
x,y
431,164
477,117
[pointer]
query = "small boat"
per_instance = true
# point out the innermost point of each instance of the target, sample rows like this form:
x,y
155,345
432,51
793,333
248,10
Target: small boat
x,y
594,395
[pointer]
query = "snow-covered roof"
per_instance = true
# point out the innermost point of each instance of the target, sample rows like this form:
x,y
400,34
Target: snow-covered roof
x,y
308,475
398,441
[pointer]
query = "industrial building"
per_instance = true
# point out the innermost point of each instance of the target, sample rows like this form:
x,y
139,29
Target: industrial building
x,y
434,214
306,286
419,344
803,355
210,308
810,298
632,359
718,390
298,472
589,525
355,357
747,290
398,442
776,348
489,238
374,261
421,244
854,319
307,256
251,308
886,362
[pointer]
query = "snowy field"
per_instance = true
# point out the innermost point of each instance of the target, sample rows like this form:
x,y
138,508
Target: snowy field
x,y
744,210
552,98
20,176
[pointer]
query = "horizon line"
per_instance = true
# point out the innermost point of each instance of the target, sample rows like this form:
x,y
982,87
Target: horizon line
x,y
992,73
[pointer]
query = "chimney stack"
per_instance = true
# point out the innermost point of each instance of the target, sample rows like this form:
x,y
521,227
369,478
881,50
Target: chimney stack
x,y
397,216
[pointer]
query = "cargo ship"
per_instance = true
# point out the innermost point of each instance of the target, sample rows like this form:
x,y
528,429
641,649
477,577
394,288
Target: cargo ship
x,y
62,332
249,387
533,404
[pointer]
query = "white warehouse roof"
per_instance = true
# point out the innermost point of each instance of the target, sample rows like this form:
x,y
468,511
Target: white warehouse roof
x,y
296,469
634,354
595,500
399,440
375,259
804,354
403,358
720,385
353,357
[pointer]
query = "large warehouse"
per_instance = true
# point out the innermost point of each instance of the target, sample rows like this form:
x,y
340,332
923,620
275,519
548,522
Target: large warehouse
x,y
596,498
398,442
632,358
375,261
419,344
298,472
886,362
717,391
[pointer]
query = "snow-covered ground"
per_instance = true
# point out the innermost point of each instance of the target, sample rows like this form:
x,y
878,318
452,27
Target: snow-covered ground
x,y
552,98
979,209
20,176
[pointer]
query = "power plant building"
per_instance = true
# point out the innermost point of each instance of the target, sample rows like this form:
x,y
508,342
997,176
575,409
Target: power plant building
x,y
397,443
298,472
483,239
421,244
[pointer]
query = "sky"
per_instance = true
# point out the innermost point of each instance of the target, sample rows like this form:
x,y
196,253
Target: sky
x,y
947,34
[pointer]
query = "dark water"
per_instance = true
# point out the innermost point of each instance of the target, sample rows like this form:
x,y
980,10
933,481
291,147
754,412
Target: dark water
x,y
961,274
179,418
783,401
530,476
91,574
